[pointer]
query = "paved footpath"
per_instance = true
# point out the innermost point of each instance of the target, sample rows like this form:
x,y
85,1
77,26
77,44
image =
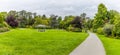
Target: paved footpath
x,y
91,46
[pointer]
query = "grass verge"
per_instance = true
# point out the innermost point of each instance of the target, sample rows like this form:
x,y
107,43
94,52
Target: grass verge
x,y
112,46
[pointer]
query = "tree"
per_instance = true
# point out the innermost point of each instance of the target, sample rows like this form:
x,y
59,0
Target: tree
x,y
66,22
34,14
11,20
83,15
30,21
89,23
54,21
59,20
12,12
44,17
1,18
4,14
77,22
101,17
111,16
37,21
116,29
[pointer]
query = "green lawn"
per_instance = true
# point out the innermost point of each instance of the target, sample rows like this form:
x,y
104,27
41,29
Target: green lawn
x,y
32,42
111,45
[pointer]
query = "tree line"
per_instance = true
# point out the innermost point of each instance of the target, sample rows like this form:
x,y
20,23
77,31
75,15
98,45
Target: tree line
x,y
25,19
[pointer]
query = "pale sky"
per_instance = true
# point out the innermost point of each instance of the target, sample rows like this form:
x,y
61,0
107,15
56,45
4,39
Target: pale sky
x,y
59,7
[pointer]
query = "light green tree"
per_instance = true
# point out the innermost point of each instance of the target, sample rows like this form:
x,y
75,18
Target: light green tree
x,y
116,29
100,17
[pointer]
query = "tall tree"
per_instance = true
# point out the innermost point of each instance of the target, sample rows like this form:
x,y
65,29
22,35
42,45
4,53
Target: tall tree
x,y
53,21
83,15
100,17
59,19
34,14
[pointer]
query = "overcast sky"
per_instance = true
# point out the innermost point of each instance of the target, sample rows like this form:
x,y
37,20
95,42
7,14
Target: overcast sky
x,y
58,7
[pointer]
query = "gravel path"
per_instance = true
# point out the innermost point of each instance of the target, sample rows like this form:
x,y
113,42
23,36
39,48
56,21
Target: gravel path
x,y
91,46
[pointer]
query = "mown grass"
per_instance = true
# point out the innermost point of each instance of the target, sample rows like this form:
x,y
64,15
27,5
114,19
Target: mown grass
x,y
112,46
32,42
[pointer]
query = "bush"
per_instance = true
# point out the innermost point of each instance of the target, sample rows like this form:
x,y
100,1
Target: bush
x,y
77,30
4,29
1,25
100,30
6,25
94,30
70,28
107,29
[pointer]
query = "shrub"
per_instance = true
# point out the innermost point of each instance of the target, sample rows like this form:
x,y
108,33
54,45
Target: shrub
x,y
107,29
4,29
100,30
70,28
116,28
77,30
1,25
6,25
94,30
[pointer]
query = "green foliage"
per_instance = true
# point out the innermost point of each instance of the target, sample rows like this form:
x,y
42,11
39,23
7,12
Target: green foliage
x,y
1,18
1,25
116,28
77,30
108,29
4,29
38,21
66,22
6,25
101,17
70,28
77,22
59,19
54,23
44,17
100,30
111,16
89,23
97,23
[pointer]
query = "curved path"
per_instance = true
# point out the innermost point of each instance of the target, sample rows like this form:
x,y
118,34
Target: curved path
x,y
91,46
